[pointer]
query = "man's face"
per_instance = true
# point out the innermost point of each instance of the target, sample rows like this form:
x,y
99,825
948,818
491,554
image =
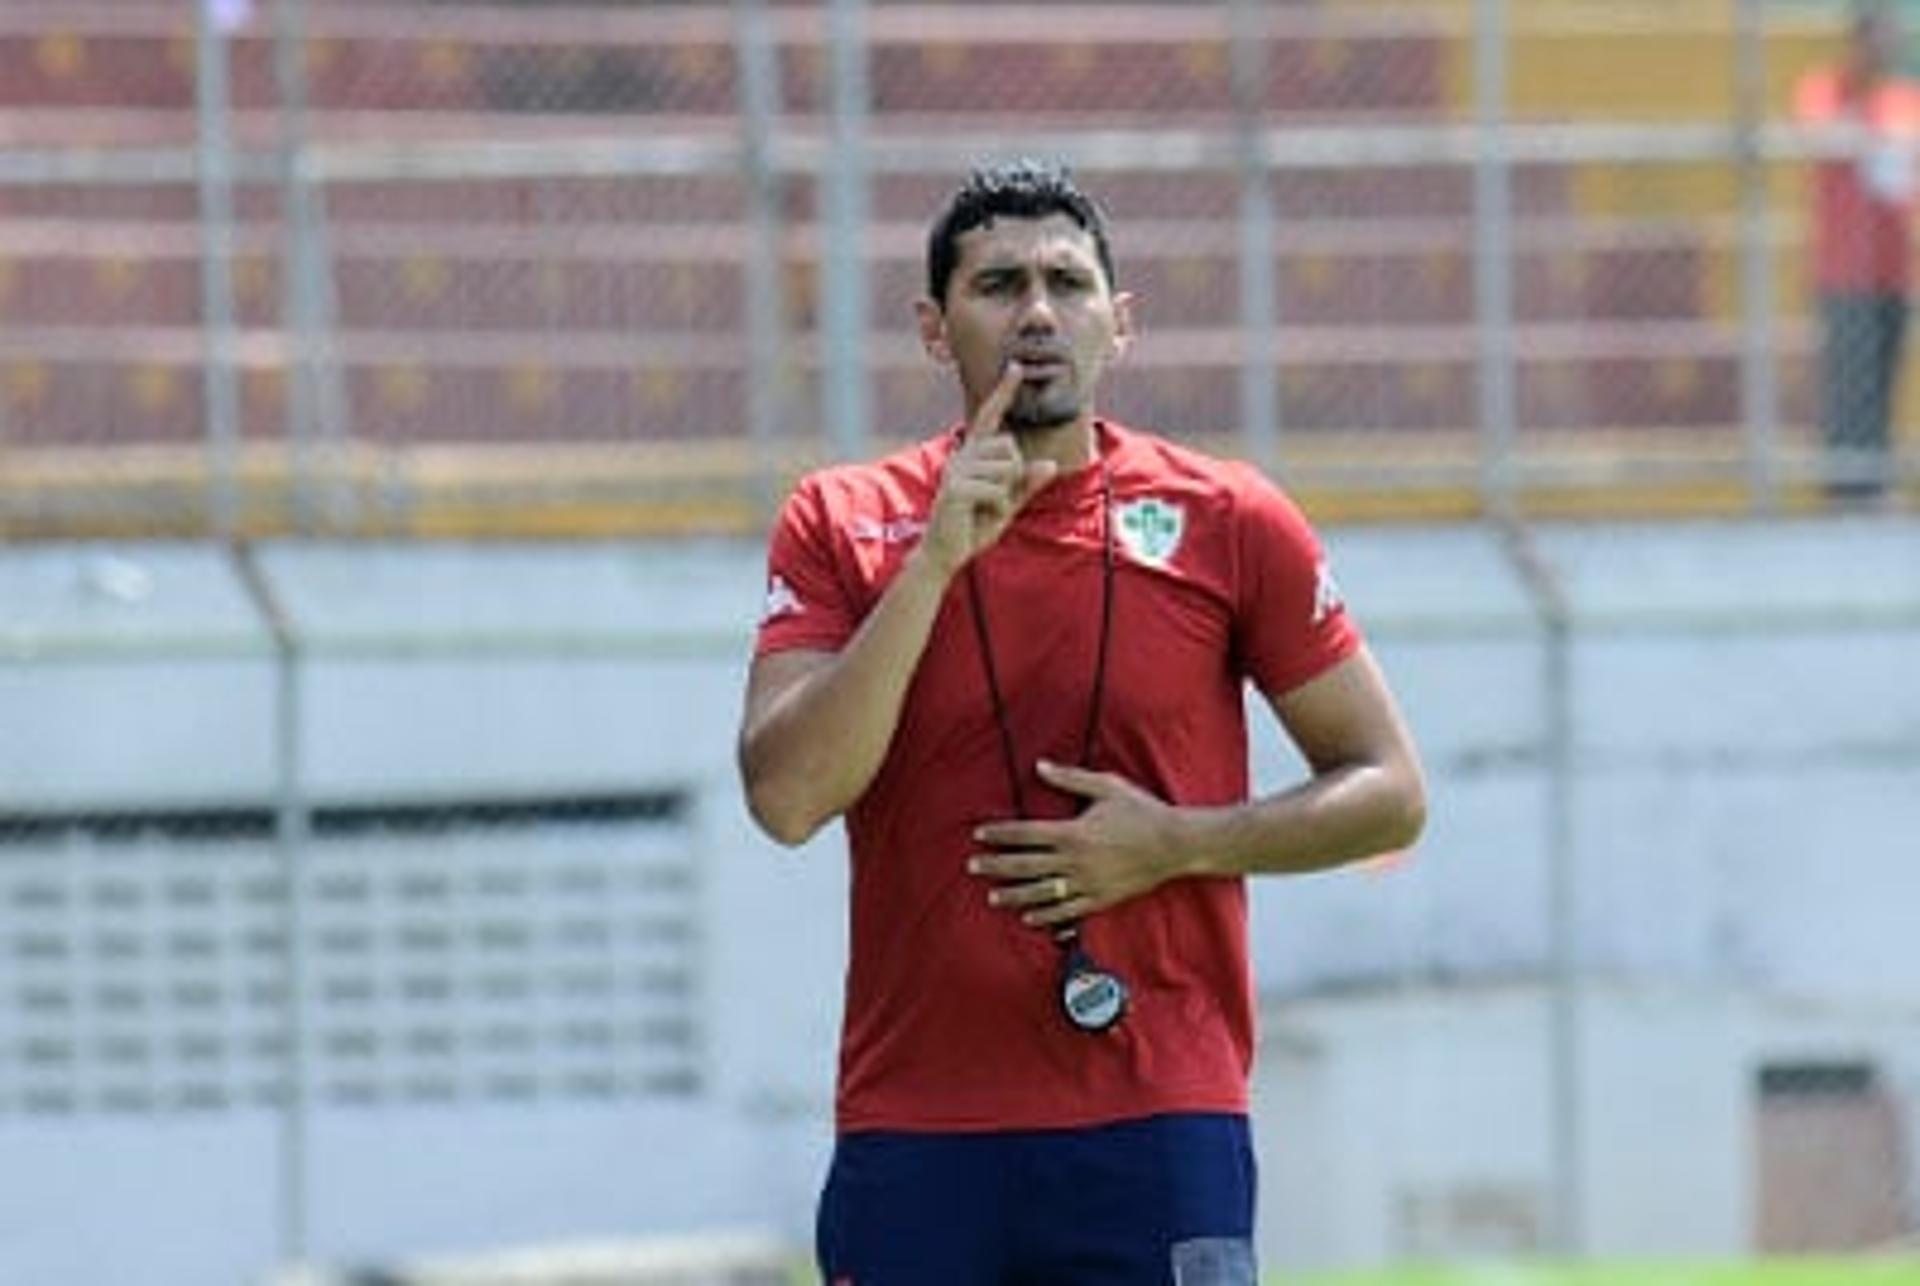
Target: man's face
x,y
1032,291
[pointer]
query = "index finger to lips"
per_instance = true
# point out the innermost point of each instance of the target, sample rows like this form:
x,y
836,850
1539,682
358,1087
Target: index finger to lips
x,y
992,415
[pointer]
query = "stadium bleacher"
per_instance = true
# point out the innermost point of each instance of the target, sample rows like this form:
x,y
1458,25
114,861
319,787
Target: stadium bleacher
x,y
596,311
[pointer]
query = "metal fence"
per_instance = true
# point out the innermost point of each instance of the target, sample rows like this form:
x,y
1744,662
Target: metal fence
x,y
329,266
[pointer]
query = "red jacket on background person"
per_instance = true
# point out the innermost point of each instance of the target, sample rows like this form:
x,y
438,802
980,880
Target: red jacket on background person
x,y
1863,205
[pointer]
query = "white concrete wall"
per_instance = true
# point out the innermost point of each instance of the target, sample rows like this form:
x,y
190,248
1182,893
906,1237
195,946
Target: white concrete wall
x,y
1748,735
429,673
1361,1099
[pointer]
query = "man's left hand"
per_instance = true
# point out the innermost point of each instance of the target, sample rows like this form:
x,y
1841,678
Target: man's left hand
x,y
1119,847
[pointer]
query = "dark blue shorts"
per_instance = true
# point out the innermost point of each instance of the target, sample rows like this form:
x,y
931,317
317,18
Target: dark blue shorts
x,y
1165,1201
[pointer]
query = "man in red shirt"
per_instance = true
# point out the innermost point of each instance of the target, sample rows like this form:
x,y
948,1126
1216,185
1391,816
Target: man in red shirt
x,y
1013,658
1861,228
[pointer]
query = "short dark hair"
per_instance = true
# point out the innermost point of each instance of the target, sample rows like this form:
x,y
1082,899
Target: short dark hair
x,y
1022,189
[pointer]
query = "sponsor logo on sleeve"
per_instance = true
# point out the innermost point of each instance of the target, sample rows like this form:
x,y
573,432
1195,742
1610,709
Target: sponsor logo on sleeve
x,y
894,531
781,600
1326,592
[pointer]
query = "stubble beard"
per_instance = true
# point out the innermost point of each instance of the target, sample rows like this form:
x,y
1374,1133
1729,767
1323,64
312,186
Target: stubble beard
x,y
1036,411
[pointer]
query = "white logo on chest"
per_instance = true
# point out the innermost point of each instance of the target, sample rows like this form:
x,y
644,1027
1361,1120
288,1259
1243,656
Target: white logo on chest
x,y
1150,529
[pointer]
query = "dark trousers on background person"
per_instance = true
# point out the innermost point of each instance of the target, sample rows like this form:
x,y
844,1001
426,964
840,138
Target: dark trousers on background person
x,y
1860,368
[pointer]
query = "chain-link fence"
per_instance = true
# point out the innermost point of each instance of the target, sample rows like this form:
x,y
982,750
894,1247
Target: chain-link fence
x,y
482,268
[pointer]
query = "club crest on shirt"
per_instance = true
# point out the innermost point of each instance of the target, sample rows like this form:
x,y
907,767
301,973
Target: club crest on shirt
x,y
1150,529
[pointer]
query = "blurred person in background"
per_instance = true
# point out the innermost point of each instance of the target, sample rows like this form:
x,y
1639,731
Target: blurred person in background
x,y
1861,226
1014,657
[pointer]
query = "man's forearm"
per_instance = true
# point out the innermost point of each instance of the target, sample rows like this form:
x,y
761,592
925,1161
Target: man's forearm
x,y
1340,816
814,752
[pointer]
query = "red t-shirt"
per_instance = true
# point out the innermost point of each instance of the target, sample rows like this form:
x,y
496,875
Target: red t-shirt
x,y
952,1016
1860,236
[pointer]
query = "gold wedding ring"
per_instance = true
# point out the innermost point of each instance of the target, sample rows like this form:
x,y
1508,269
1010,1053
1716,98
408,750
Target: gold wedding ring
x,y
1059,887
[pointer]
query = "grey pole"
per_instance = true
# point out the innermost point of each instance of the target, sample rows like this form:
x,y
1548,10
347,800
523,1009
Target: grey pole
x,y
291,834
1259,363
1554,609
1759,388
9,506
1492,259
316,402
845,403
1569,1153
215,158
766,374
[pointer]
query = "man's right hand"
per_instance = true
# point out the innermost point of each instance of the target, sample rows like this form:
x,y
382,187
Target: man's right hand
x,y
986,482
817,724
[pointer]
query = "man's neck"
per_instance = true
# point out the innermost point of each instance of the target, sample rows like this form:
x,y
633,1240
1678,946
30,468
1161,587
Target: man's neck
x,y
1070,446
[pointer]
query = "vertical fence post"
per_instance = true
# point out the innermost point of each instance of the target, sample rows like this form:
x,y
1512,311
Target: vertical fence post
x,y
1547,595
1493,258
212,96
759,82
291,834
1759,387
1569,1152
843,255
1259,363
9,505
316,403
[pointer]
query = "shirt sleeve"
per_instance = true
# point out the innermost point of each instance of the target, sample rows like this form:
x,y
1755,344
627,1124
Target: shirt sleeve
x,y
1291,624
807,603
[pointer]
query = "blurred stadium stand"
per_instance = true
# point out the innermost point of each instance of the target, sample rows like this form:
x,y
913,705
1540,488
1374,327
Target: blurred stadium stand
x,y
599,319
